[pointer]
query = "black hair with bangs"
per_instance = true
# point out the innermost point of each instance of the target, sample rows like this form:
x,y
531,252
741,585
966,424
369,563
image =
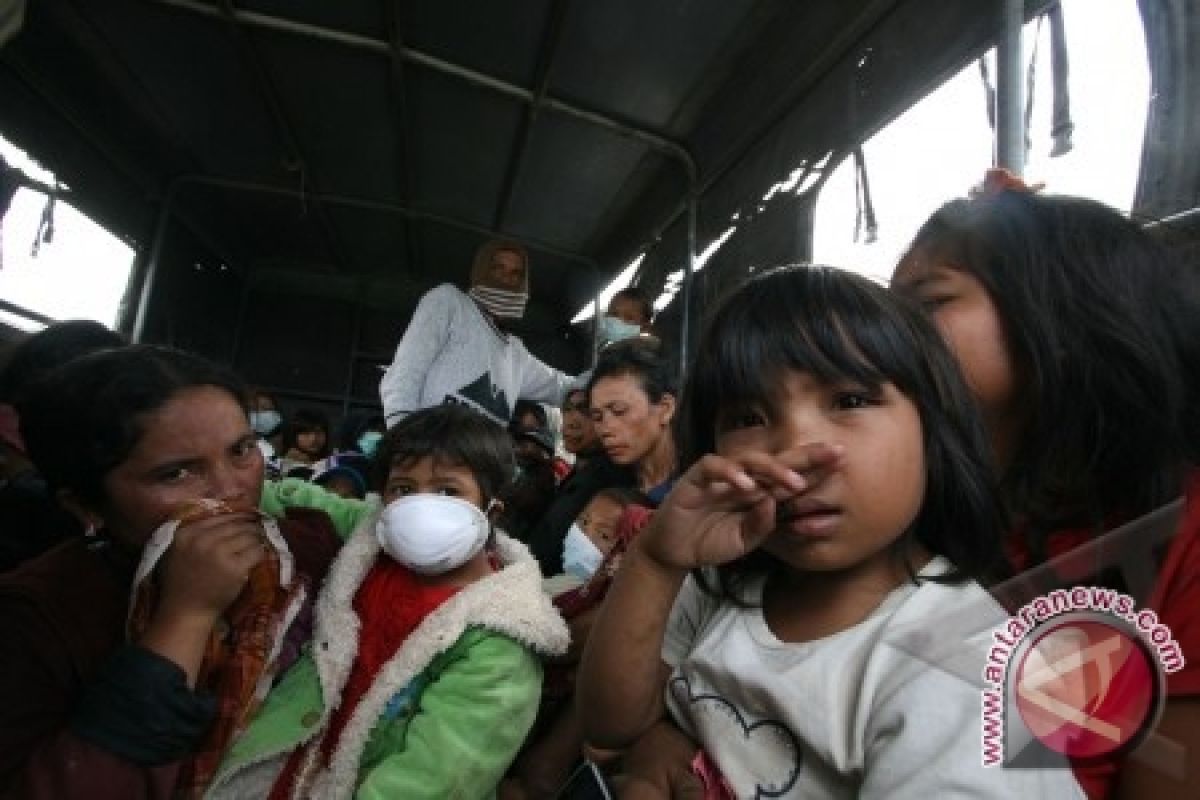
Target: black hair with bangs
x,y
451,433
838,326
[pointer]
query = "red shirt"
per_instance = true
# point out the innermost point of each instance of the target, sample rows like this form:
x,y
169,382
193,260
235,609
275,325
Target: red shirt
x,y
1175,598
391,602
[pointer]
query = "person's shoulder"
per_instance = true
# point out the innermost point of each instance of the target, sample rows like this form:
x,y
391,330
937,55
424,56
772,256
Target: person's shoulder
x,y
59,572
695,604
445,293
68,601
915,612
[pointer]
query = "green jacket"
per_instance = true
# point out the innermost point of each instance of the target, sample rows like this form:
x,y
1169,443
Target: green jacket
x,y
346,514
445,716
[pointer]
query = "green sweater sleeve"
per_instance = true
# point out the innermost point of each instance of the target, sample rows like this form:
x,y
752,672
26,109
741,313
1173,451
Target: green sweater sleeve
x,y
346,513
473,718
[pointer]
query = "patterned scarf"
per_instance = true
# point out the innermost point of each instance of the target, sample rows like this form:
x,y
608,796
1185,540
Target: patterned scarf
x,y
241,657
499,302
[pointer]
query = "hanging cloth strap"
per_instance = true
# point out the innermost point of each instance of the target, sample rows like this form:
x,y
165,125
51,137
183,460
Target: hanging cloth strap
x,y
864,220
1030,81
989,92
1061,126
45,231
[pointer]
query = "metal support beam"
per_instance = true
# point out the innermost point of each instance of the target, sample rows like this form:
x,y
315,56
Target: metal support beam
x,y
399,102
116,160
148,280
355,345
551,38
21,311
538,99
653,139
291,142
689,275
373,205
1010,90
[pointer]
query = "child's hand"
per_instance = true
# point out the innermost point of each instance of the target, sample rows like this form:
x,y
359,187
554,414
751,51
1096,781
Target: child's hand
x,y
724,507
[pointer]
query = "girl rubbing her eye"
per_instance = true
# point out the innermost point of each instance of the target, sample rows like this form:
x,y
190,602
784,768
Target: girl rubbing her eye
x,y
839,495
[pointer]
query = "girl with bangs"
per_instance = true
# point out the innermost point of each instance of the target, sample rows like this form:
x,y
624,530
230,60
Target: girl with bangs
x,y
839,496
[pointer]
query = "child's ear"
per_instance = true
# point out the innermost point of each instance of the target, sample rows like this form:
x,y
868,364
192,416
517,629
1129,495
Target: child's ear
x,y
89,518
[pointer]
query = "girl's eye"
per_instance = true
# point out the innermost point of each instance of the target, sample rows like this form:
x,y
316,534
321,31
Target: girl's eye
x,y
174,474
449,491
850,400
398,491
743,419
933,303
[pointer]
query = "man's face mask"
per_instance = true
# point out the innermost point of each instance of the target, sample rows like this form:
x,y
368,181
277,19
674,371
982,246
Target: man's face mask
x,y
613,329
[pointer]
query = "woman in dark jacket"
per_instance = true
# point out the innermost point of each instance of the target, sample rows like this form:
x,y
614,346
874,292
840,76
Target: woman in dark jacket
x,y
130,656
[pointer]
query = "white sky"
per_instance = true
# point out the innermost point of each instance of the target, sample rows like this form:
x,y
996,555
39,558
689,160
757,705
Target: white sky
x,y
942,146
81,274
935,151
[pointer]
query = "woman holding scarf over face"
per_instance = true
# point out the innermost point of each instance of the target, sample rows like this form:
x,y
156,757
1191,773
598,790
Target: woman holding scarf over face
x,y
456,348
133,655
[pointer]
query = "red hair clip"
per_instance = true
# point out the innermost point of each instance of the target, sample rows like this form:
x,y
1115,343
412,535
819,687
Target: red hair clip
x,y
999,179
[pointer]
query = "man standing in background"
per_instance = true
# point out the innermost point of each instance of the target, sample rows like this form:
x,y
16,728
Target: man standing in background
x,y
457,349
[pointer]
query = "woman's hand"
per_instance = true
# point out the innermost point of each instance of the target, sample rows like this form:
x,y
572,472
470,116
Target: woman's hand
x,y
724,507
208,564
206,568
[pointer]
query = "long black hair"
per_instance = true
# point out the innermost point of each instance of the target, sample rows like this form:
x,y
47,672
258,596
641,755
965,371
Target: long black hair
x,y
83,419
838,326
1103,327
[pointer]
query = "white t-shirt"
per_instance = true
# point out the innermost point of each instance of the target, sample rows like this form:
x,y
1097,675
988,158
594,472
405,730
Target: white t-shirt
x,y
850,715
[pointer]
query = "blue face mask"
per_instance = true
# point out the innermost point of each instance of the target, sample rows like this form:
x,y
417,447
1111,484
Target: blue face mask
x,y
581,557
616,330
368,443
266,422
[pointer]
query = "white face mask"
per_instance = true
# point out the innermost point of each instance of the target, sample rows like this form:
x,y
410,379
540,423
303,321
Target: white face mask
x,y
266,422
581,557
616,330
431,533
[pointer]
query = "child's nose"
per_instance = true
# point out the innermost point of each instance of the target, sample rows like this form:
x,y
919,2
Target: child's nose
x,y
798,428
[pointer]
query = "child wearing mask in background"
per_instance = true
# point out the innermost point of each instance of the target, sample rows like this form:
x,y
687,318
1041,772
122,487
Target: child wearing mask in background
x,y
424,675
592,554
592,537
629,314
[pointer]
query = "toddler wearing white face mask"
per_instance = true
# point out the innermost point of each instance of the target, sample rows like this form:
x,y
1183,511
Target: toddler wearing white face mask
x,y
591,538
424,675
